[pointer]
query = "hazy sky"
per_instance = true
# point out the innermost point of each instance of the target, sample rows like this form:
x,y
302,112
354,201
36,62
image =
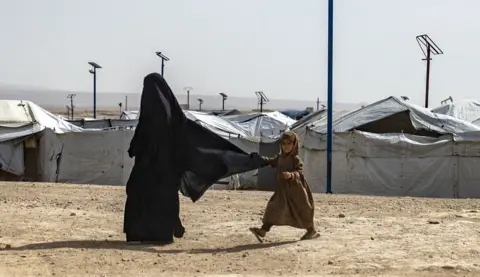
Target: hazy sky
x,y
237,47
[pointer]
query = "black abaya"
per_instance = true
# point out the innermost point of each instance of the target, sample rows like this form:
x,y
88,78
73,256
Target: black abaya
x,y
152,208
172,153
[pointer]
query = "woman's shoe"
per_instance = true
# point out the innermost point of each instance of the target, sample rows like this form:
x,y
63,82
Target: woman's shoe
x,y
310,235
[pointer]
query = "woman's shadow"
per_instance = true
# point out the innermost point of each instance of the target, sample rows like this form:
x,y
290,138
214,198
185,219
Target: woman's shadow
x,y
122,245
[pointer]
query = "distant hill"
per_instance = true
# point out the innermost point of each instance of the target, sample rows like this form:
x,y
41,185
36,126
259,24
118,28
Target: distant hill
x,y
49,99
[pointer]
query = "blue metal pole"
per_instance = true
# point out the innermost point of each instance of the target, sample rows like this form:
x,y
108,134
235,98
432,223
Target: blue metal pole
x,y
94,93
330,97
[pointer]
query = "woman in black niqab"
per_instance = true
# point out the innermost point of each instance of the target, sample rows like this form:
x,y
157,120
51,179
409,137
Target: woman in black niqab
x,y
152,207
171,154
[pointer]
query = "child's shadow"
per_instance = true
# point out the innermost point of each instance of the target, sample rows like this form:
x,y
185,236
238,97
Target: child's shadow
x,y
122,245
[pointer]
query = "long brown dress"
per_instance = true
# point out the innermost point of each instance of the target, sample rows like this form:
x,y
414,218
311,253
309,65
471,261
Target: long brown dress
x,y
292,203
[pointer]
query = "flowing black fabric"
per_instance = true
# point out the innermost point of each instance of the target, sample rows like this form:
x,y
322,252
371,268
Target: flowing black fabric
x,y
172,153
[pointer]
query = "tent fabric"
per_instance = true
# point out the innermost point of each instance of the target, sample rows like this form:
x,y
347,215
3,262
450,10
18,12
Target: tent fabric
x,y
9,133
309,119
398,165
294,114
476,122
216,124
127,115
467,109
50,148
89,157
101,124
19,113
12,157
316,119
281,117
262,126
268,124
22,118
18,120
420,119
15,114
103,153
225,112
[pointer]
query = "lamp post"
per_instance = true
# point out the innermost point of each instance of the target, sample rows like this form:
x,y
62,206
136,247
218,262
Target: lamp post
x,y
224,97
188,89
164,58
94,72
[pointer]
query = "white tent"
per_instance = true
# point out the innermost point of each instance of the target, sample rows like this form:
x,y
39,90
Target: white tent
x,y
90,157
391,115
318,118
216,124
398,165
20,118
39,145
395,148
19,122
467,109
268,124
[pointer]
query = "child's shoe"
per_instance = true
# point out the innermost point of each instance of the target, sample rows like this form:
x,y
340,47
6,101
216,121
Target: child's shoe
x,y
310,235
259,233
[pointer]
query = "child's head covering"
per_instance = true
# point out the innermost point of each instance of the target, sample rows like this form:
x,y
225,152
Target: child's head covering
x,y
291,136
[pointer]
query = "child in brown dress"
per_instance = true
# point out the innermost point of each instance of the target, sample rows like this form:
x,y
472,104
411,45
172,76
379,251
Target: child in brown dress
x,y
292,203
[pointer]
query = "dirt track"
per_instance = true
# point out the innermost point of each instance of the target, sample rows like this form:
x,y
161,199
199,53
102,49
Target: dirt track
x,y
71,230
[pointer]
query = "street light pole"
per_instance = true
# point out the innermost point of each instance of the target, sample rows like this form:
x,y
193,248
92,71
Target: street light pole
x,y
164,58
188,89
94,72
224,97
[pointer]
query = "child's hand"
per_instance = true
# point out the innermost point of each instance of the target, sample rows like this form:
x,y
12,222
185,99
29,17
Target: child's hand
x,y
286,175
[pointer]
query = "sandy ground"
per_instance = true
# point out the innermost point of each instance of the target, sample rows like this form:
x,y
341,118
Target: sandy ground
x,y
71,230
